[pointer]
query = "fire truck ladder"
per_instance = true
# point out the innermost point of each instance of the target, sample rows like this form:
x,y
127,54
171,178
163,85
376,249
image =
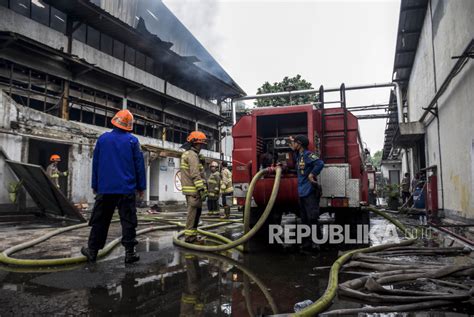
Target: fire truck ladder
x,y
325,134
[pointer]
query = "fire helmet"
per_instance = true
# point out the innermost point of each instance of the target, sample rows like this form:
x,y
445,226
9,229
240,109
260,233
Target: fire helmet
x,y
123,120
197,137
214,164
55,158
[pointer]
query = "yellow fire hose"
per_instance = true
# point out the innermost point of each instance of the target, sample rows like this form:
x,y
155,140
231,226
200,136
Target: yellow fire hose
x,y
6,259
325,300
247,235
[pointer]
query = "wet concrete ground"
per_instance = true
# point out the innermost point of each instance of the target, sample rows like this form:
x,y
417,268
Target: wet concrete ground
x,y
169,281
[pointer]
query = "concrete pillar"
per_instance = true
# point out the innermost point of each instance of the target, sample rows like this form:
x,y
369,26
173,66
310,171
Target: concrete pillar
x,y
64,110
196,126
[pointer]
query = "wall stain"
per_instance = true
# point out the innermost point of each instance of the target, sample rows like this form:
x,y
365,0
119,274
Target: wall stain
x,y
462,190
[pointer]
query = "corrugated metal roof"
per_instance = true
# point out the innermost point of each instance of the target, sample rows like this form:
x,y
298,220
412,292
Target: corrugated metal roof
x,y
410,24
180,69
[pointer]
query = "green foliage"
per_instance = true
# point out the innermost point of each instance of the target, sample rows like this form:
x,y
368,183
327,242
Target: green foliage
x,y
287,84
376,159
392,191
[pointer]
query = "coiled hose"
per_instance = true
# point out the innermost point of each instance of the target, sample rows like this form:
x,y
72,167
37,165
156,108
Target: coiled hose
x,y
248,234
325,300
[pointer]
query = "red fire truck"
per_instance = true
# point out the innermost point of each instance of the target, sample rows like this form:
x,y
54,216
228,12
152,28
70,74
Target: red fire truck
x,y
262,136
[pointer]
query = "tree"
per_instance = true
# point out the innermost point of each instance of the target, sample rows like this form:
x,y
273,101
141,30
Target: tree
x,y
376,159
287,84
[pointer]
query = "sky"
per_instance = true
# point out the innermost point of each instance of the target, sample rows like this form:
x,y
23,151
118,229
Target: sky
x,y
326,42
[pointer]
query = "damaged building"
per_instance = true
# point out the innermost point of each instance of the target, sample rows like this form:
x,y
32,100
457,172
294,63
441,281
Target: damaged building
x,y
433,133
66,67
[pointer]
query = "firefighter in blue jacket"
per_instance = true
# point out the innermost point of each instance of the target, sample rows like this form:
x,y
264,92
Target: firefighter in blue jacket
x,y
308,167
118,174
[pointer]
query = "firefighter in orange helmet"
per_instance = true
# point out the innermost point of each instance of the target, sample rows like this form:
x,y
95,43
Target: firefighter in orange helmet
x,y
53,171
193,182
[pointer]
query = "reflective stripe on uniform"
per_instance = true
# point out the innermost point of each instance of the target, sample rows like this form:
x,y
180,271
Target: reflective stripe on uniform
x,y
189,189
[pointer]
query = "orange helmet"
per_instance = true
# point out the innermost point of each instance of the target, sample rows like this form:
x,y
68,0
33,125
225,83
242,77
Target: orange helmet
x,y
123,120
55,158
197,137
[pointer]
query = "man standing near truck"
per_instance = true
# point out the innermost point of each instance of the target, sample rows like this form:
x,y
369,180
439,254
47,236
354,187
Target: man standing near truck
x,y
193,183
308,167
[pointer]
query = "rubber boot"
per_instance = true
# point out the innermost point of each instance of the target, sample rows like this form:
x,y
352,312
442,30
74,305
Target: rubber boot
x,y
227,212
131,256
91,255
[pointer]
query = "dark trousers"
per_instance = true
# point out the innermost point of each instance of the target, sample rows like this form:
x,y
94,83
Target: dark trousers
x,y
405,196
309,206
104,208
212,205
224,199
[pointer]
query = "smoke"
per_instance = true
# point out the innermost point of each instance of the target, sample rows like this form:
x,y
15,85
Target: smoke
x,y
200,18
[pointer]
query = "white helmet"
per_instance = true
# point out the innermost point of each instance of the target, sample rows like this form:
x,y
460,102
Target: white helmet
x,y
214,164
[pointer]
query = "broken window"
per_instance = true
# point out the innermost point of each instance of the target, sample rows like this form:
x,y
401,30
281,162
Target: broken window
x,y
140,60
40,12
118,50
106,44
130,55
149,65
80,32
93,37
58,20
21,6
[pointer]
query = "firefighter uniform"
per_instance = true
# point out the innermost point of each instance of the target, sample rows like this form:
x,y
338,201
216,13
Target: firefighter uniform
x,y
309,193
194,188
54,173
192,303
226,189
52,170
213,189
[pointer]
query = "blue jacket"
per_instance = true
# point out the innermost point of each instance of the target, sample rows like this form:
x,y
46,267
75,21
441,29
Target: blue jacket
x,y
307,163
118,166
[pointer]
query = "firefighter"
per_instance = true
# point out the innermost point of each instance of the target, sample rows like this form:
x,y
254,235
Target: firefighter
x,y
52,170
192,181
118,173
213,188
192,303
226,189
308,167
405,186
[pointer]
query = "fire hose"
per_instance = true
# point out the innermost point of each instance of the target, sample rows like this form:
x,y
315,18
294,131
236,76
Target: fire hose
x,y
247,235
320,305
6,259
325,300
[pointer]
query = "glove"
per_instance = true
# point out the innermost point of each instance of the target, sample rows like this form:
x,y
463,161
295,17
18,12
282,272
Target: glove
x,y
65,173
203,194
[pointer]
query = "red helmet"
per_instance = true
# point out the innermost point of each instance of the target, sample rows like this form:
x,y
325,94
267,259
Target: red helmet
x,y
55,158
197,137
123,120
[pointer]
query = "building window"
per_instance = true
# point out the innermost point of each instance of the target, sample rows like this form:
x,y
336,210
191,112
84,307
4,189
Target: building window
x,y
130,55
140,60
106,44
80,32
118,50
149,65
21,6
40,12
93,37
58,20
